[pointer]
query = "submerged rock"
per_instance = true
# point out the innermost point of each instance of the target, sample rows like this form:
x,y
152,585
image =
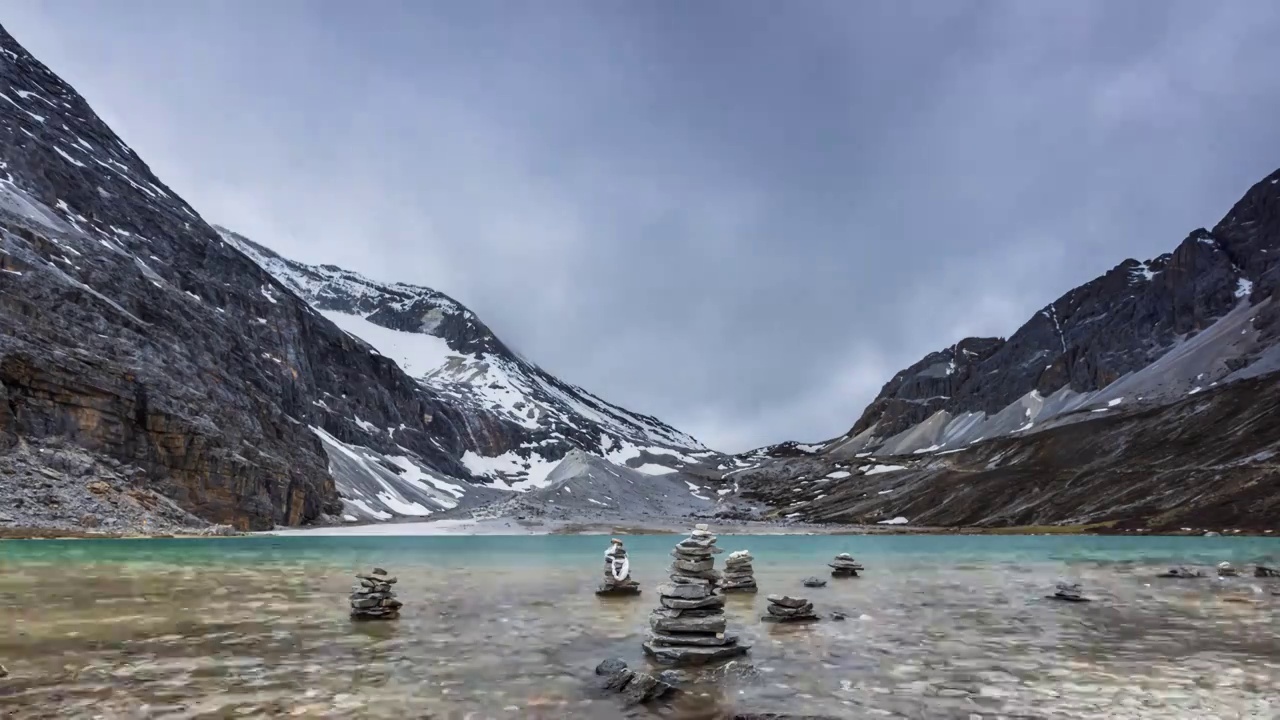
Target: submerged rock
x,y
1181,572
1263,571
813,582
611,666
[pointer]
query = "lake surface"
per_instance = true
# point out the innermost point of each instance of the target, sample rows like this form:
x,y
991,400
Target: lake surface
x,y
508,627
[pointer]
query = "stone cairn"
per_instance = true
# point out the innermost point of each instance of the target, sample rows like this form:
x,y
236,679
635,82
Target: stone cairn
x,y
1069,592
617,572
1226,569
1263,571
688,628
739,577
787,609
373,598
845,566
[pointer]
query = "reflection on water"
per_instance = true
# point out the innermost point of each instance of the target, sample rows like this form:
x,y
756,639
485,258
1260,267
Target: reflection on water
x,y
510,628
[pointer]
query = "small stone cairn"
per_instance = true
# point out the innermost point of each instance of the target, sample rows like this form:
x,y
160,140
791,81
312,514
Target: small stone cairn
x,y
739,577
845,566
1226,569
787,609
373,598
617,572
688,628
1069,592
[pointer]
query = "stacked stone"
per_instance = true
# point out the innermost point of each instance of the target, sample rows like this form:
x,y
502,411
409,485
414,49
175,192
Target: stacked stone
x,y
787,609
739,577
1226,569
617,572
688,628
373,598
845,566
1069,592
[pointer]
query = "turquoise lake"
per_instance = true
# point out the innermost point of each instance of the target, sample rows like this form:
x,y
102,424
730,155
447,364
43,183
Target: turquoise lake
x,y
508,627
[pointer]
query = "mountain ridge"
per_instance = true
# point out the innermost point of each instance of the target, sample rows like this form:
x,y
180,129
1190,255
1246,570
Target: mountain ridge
x,y
130,328
1110,327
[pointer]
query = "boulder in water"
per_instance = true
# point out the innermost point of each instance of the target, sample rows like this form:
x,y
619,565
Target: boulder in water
x,y
813,582
1181,572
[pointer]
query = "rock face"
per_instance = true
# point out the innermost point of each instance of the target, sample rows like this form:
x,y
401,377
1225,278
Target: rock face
x,y
373,599
617,572
689,628
1206,461
132,329
1107,333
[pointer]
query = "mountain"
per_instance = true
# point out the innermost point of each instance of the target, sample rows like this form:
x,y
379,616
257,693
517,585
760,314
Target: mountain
x,y
1144,333
138,341
1142,399
455,356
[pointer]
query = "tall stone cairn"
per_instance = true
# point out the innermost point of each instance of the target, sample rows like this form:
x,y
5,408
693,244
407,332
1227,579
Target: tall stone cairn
x,y
738,577
617,572
688,627
845,566
373,598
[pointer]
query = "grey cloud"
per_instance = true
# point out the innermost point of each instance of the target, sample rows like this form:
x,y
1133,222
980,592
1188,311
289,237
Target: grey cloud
x,y
742,217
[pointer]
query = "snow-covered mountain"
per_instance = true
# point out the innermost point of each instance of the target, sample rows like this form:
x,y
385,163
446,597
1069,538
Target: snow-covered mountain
x,y
133,331
453,353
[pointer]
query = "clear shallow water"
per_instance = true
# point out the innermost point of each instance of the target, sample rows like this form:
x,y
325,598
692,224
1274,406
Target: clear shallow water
x,y
507,627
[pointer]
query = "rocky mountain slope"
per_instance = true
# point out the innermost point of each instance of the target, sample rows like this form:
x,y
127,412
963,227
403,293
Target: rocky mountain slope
x,y
1144,333
130,329
1142,399
452,353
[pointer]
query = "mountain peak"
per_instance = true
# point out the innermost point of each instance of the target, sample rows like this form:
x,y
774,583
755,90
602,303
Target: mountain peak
x,y
1112,327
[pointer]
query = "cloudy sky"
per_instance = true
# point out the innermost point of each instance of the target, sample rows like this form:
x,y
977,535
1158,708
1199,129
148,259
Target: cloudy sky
x,y
741,216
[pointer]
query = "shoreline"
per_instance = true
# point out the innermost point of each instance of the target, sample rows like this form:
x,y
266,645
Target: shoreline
x,y
507,526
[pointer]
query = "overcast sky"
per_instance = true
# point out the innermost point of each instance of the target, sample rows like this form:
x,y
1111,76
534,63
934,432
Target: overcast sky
x,y
742,217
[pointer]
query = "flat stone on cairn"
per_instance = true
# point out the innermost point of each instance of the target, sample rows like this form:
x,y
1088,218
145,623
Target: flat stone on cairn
x,y
617,572
688,627
738,577
373,598
787,609
845,566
